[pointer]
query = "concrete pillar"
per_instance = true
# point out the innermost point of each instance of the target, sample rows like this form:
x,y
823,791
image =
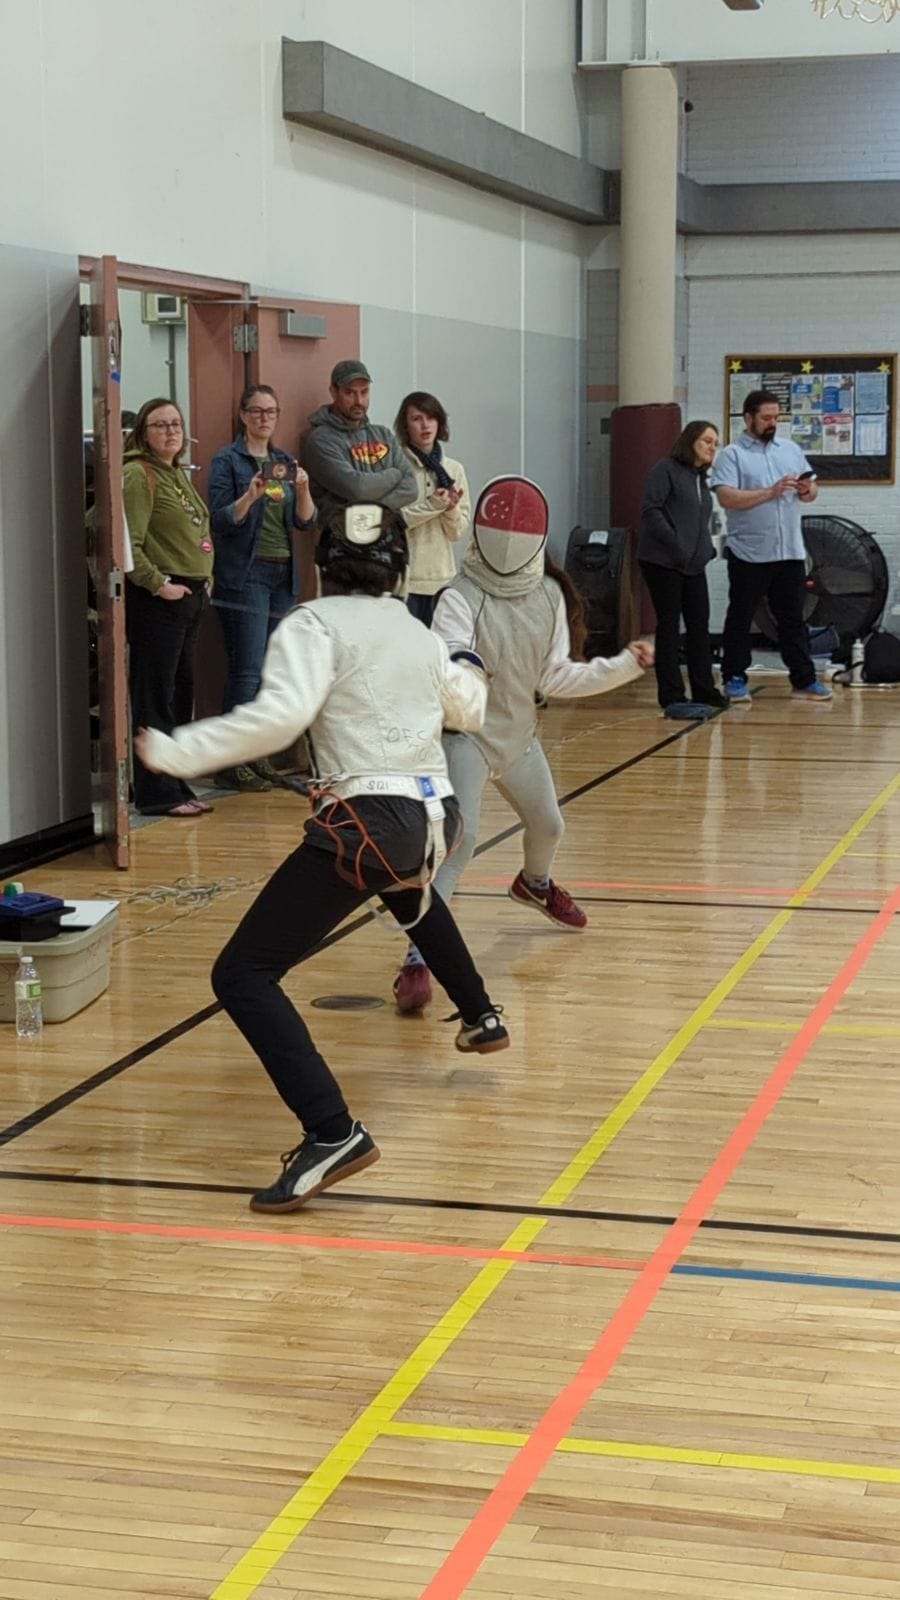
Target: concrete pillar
x,y
648,235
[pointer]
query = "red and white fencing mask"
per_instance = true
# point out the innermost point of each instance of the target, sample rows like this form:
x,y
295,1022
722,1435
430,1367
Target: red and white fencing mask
x,y
511,524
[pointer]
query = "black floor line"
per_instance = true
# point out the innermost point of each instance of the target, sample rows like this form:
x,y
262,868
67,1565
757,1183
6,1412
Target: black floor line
x,y
97,1079
79,1090
603,777
69,1096
701,902
424,1203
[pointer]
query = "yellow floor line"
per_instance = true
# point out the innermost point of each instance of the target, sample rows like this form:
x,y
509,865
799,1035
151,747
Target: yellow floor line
x,y
254,1567
653,1452
850,1030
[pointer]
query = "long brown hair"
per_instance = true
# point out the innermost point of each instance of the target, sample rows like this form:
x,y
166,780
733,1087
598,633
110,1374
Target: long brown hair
x,y
137,438
431,405
574,608
683,448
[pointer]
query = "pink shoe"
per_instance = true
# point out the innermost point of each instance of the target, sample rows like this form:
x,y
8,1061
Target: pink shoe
x,y
412,987
554,903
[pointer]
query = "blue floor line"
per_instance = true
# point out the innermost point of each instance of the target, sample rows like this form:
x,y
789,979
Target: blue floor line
x,y
815,1280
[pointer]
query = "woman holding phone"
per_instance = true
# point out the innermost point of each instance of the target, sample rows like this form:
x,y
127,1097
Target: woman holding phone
x,y
258,496
442,513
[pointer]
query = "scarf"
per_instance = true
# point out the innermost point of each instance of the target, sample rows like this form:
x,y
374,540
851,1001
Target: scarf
x,y
504,585
434,463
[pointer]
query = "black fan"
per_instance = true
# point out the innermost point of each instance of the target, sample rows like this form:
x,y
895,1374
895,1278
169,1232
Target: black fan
x,y
846,580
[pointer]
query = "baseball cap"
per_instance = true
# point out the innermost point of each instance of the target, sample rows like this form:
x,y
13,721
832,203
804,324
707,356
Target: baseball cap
x,y
348,372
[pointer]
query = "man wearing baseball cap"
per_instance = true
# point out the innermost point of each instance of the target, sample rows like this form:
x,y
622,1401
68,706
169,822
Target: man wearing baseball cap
x,y
351,460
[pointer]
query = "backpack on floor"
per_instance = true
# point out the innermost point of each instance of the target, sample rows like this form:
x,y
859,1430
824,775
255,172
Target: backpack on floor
x,y
881,658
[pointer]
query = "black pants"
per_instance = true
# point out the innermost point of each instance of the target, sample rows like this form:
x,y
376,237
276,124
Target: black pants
x,y
422,606
676,595
303,900
781,582
162,636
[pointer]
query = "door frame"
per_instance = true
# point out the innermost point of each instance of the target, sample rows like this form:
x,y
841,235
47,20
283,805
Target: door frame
x,y
114,679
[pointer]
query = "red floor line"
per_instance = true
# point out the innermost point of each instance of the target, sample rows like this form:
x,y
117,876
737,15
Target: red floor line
x,y
687,888
317,1241
475,1544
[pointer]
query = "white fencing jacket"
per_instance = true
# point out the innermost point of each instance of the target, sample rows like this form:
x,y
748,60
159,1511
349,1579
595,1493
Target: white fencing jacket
x,y
369,682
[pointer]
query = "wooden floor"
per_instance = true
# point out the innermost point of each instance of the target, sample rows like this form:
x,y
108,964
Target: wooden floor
x,y
618,1313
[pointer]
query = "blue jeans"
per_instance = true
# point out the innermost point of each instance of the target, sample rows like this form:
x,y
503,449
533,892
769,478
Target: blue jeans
x,y
248,617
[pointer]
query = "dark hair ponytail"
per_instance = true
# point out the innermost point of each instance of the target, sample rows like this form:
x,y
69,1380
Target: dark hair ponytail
x,y
575,615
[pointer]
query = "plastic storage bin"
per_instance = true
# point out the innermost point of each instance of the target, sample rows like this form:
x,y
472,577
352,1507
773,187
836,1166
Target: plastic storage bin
x,y
73,968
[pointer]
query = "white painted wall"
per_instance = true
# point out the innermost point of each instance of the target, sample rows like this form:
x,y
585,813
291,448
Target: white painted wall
x,y
619,31
155,134
200,173
180,122
146,352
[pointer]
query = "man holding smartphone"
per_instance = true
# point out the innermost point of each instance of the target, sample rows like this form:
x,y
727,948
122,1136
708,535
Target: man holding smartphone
x,y
762,483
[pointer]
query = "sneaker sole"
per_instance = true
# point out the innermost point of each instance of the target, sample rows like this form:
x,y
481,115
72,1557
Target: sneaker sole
x,y
534,905
328,1182
482,1049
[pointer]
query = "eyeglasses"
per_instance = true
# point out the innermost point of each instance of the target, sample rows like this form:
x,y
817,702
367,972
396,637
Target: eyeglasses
x,y
263,414
167,427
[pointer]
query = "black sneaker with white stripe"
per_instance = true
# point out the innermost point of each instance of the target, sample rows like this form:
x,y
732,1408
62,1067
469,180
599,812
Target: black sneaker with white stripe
x,y
481,1037
314,1166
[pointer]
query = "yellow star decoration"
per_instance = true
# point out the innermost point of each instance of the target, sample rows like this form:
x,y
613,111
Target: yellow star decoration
x,y
885,366
736,366
806,366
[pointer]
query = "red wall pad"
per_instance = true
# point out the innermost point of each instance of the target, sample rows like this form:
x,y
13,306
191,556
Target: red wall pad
x,y
639,437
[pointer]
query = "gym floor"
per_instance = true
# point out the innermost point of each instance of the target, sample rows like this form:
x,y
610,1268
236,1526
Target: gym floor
x,y
616,1314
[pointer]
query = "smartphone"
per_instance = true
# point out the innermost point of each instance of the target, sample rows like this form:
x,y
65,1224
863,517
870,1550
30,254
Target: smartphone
x,y
279,471
802,475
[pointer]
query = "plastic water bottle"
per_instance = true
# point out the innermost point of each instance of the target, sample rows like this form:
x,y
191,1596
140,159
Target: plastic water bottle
x,y
29,1012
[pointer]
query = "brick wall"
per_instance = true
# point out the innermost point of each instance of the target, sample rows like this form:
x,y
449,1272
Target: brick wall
x,y
794,122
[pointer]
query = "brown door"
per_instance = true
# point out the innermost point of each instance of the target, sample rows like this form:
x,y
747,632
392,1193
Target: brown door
x,y
216,363
299,369
109,518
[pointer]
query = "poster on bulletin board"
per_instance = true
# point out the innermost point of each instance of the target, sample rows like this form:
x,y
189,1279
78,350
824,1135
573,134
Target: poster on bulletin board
x,y
838,409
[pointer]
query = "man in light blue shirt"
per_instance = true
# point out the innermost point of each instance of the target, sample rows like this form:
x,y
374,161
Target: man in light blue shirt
x,y
761,482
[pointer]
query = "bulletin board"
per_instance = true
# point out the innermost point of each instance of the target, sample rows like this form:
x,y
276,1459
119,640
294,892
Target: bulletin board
x,y
838,409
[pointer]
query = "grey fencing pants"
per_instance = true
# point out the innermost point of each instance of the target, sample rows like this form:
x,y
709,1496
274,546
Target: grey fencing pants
x,y
527,786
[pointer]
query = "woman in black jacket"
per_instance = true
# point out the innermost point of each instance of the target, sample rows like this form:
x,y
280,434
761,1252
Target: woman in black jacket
x,y
674,546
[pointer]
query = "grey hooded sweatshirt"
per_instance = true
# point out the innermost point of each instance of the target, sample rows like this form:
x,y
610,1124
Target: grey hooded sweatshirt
x,y
355,464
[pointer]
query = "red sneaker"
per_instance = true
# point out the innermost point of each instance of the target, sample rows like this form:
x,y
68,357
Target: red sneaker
x,y
554,903
412,987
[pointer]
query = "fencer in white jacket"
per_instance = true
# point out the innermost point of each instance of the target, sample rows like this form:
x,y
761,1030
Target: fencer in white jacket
x,y
373,688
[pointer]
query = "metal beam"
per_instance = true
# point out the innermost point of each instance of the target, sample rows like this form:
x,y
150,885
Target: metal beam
x,y
327,88
872,206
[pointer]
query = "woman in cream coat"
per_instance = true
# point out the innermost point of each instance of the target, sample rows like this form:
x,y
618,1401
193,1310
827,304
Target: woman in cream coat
x,y
442,512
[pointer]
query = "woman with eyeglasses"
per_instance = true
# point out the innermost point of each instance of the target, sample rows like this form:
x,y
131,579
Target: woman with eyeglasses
x,y
166,592
258,497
